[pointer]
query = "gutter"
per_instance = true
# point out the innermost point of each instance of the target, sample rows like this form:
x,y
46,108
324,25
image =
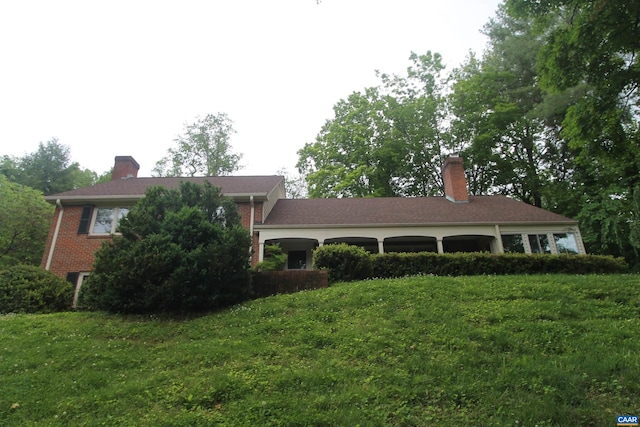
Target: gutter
x,y
133,198
55,235
430,224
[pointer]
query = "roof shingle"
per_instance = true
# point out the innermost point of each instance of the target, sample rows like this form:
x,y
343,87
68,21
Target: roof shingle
x,y
407,211
134,187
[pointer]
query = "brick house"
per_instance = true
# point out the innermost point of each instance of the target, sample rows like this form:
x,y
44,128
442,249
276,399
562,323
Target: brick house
x,y
86,217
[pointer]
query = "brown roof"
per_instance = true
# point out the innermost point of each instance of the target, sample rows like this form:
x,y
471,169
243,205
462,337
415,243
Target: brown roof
x,y
407,211
133,188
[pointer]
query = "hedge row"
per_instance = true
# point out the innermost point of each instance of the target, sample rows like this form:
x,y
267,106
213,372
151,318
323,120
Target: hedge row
x,y
346,263
467,264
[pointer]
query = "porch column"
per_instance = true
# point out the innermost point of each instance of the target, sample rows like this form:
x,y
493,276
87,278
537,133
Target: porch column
x,y
440,246
499,240
526,244
260,251
380,246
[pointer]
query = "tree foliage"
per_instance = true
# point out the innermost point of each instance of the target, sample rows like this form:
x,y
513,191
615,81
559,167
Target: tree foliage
x,y
203,149
180,250
24,223
593,51
49,169
384,141
507,132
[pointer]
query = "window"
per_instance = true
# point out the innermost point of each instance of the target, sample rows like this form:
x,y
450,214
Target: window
x,y
539,244
297,260
106,220
513,243
566,243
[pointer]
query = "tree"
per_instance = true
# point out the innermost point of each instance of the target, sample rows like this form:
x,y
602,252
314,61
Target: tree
x,y
384,141
500,110
180,250
204,149
49,169
594,51
24,218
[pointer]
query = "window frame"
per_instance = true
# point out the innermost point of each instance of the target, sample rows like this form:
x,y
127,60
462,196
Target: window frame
x,y
115,219
567,235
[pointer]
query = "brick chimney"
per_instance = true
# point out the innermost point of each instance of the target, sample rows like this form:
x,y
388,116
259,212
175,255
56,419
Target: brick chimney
x,y
455,184
125,167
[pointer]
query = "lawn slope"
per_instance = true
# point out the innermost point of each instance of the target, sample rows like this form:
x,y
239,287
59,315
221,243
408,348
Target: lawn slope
x,y
518,350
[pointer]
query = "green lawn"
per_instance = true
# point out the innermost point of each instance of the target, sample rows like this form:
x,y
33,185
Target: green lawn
x,y
473,351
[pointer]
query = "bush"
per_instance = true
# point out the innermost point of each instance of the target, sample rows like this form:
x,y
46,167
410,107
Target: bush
x,y
344,262
274,259
181,250
461,264
30,289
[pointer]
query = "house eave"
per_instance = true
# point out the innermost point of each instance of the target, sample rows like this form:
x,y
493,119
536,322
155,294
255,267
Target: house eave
x,y
133,198
413,225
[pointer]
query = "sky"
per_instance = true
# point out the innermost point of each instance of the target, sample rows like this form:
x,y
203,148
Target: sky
x,y
123,77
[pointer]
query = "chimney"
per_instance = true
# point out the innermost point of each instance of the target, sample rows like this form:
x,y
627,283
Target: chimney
x,y
455,184
124,167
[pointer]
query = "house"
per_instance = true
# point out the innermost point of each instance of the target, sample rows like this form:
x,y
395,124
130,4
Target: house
x,y
457,222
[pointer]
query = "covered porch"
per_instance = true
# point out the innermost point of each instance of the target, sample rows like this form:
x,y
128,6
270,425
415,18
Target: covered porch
x,y
299,243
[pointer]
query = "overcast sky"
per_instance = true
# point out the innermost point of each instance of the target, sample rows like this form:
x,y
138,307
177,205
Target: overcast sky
x,y
123,77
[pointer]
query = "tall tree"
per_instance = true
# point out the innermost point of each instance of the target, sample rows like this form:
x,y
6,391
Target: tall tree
x,y
595,47
384,141
49,169
24,223
203,149
496,102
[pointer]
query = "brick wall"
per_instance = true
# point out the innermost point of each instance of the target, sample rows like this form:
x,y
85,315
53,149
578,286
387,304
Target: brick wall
x,y
73,251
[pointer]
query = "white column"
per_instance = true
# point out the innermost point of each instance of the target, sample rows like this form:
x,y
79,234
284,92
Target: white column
x,y
260,251
499,240
440,245
380,246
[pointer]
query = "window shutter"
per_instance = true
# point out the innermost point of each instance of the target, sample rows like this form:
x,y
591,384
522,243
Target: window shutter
x,y
73,277
85,219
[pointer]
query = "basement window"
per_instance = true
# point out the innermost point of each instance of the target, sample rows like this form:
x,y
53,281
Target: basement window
x,y
106,220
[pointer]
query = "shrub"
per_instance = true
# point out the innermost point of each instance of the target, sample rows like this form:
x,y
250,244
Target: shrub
x,y
344,262
181,250
460,264
274,259
30,289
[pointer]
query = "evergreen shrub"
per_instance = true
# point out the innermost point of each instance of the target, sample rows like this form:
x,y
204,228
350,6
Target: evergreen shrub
x,y
180,250
30,289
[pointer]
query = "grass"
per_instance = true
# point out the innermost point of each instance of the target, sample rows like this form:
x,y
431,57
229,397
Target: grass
x,y
500,351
